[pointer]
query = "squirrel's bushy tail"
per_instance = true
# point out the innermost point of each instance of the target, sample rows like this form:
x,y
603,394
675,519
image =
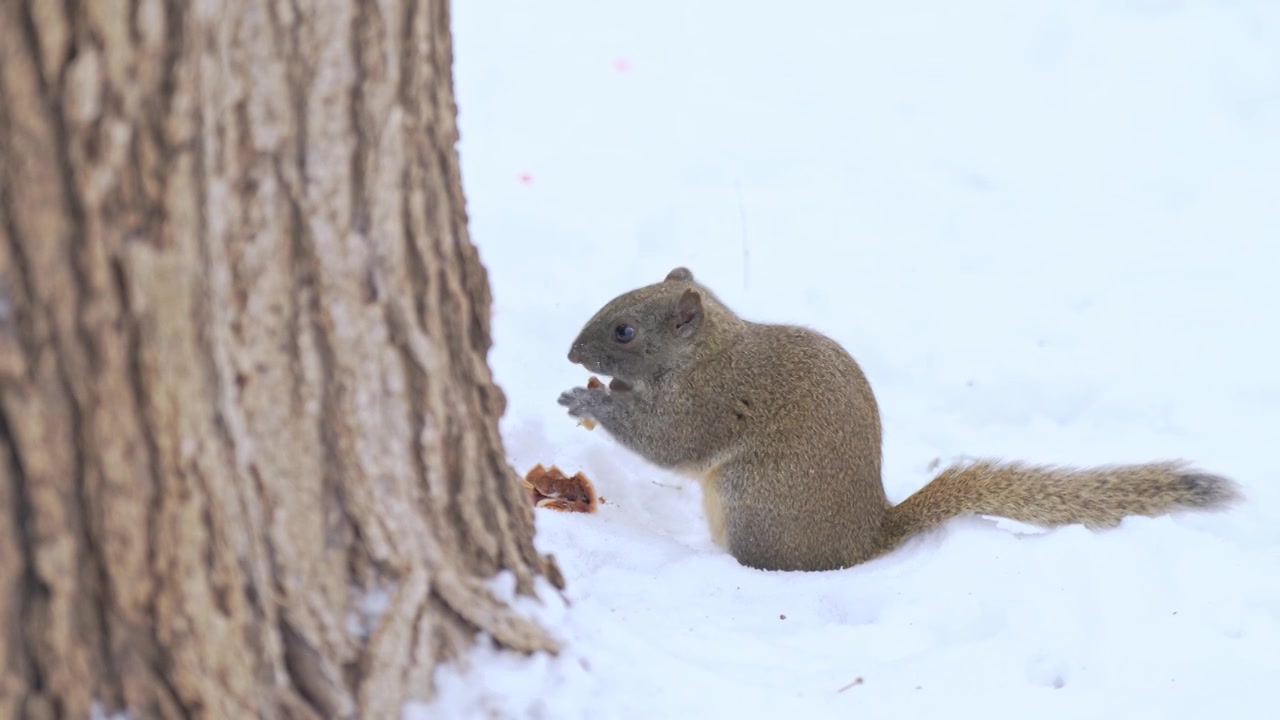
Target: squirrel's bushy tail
x,y
1097,497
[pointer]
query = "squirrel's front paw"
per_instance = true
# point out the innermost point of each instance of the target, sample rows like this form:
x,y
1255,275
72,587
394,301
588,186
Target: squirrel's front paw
x,y
583,403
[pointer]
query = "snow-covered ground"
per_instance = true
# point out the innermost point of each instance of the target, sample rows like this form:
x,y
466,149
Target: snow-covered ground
x,y
1048,231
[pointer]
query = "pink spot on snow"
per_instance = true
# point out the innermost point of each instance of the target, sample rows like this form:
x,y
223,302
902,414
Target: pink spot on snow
x,y
622,65
526,178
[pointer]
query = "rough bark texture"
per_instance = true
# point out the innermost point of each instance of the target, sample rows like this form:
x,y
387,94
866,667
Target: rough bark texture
x,y
249,456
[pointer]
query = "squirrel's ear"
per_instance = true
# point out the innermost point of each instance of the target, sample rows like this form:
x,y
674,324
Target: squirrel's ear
x,y
680,273
688,313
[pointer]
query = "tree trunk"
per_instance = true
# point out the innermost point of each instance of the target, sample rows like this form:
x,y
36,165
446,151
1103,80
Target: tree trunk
x,y
249,452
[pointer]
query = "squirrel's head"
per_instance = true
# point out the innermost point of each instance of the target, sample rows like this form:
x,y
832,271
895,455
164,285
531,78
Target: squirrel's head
x,y
641,335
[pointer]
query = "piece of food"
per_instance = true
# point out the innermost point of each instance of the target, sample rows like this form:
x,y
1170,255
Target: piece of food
x,y
551,488
592,384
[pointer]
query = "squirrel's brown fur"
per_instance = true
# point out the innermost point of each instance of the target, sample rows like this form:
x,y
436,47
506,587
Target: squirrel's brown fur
x,y
781,427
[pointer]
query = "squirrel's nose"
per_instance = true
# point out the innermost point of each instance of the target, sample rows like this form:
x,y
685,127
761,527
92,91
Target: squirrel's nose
x,y
574,356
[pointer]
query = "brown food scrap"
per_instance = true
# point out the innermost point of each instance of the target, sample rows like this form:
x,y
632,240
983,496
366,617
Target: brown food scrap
x,y
856,681
592,384
552,489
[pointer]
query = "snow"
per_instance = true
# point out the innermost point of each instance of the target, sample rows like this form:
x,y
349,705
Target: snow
x,y
1047,231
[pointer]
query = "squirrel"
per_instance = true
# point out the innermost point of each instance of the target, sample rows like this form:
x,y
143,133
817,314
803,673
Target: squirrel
x,y
779,425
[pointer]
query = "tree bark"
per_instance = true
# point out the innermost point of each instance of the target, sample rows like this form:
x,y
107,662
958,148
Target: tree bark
x,y
249,453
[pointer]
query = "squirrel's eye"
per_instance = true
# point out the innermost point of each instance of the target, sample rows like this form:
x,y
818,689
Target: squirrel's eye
x,y
624,333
